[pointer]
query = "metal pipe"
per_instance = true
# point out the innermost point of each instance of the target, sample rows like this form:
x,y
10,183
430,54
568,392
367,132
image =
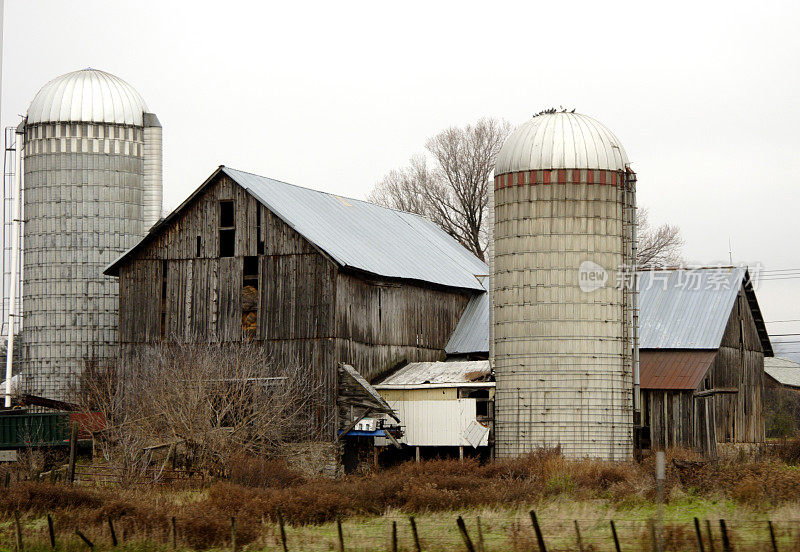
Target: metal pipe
x,y
635,296
12,286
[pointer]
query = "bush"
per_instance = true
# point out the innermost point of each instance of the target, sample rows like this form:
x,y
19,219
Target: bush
x,y
254,471
40,498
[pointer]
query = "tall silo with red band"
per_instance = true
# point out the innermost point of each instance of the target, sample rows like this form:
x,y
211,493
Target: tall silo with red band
x,y
563,310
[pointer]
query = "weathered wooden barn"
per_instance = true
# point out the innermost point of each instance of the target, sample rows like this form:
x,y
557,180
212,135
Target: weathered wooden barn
x,y
702,347
320,279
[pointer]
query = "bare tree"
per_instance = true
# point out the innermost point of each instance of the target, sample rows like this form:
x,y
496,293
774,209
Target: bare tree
x,y
212,401
658,247
453,189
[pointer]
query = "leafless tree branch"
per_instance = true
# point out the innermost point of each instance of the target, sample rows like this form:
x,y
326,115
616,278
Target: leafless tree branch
x,y
453,192
658,247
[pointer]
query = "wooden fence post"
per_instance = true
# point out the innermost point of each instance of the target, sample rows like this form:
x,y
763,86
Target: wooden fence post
x,y
111,530
539,537
772,536
174,531
726,542
578,536
699,534
233,534
73,450
414,534
51,531
18,531
462,528
394,536
339,531
614,534
84,538
283,530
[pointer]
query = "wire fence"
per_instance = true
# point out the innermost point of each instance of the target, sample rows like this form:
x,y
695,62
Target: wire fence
x,y
448,532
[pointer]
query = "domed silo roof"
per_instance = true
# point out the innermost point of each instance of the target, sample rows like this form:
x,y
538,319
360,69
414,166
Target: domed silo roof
x,y
90,96
561,141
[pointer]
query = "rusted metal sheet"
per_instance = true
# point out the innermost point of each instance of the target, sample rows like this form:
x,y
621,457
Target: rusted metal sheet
x,y
674,369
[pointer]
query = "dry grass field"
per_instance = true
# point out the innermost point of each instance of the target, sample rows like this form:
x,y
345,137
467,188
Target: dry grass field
x,y
745,493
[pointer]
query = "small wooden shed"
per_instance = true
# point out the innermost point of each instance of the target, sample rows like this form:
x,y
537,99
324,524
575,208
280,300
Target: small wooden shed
x,y
702,347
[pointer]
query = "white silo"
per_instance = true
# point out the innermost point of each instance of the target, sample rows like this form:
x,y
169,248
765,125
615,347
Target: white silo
x,y
92,188
564,203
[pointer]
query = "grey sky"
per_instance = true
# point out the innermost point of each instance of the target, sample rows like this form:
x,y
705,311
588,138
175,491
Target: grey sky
x,y
332,95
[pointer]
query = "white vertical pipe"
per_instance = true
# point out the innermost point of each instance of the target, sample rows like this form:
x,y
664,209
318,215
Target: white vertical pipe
x,y
12,288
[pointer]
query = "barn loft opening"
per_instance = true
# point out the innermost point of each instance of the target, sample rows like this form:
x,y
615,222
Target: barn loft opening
x,y
227,229
249,297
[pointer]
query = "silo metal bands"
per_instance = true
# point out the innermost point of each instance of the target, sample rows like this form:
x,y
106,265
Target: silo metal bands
x,y
562,326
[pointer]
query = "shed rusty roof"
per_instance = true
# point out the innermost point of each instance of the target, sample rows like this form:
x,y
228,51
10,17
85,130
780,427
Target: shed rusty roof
x,y
674,368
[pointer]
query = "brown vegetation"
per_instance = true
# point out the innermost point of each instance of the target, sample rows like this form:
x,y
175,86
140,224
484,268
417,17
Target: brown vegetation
x,y
440,485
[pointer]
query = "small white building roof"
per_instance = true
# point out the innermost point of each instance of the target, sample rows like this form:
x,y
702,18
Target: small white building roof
x,y
474,373
784,371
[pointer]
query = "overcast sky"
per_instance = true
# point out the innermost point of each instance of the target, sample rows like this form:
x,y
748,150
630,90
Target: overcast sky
x,y
704,96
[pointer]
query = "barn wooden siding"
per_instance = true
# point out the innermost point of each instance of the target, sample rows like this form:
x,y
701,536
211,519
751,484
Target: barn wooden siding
x,y
380,323
309,311
740,365
730,396
678,419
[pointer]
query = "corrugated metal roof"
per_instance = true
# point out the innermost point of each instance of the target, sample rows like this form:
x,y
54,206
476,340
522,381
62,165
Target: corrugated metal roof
x,y
357,234
437,373
472,331
366,236
87,95
561,141
784,371
686,309
673,369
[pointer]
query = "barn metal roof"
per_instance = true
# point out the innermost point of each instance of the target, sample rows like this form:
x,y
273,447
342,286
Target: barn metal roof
x,y
472,331
674,368
357,234
678,309
561,141
472,373
784,371
686,309
87,95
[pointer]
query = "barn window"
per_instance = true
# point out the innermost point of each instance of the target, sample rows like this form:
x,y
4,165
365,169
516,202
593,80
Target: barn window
x,y
227,229
481,397
199,246
259,237
250,297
